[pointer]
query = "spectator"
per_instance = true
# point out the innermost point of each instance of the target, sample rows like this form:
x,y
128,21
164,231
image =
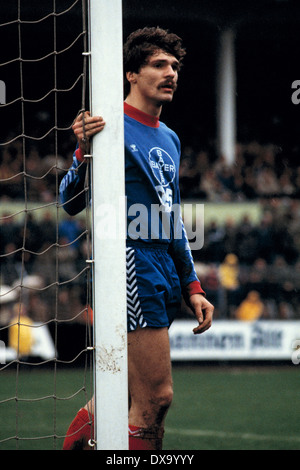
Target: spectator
x,y
8,229
213,289
213,239
20,332
247,240
251,308
229,272
69,230
285,311
257,277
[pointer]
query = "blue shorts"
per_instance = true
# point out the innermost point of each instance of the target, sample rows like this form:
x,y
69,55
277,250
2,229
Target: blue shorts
x,y
153,286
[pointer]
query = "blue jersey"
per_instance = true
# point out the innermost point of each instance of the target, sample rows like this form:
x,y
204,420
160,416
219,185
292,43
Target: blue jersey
x,y
152,158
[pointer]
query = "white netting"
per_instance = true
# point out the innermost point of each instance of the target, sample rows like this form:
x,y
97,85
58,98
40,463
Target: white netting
x,y
45,321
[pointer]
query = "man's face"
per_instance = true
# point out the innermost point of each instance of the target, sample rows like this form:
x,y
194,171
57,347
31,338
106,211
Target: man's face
x,y
157,80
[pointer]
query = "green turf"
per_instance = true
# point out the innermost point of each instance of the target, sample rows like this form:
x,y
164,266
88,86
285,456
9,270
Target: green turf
x,y
235,409
213,409
38,418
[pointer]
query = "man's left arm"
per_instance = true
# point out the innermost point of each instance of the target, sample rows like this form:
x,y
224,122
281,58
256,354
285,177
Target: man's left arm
x,y
203,311
192,291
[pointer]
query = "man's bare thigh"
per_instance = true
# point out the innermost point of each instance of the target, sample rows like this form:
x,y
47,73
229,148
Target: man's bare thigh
x,y
149,363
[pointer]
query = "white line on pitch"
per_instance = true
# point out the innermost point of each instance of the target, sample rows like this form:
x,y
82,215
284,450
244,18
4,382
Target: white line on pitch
x,y
230,435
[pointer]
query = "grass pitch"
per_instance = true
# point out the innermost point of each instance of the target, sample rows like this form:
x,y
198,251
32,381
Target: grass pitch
x,y
235,409
214,408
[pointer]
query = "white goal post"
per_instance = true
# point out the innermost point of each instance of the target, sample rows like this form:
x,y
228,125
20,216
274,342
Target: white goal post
x,y
108,208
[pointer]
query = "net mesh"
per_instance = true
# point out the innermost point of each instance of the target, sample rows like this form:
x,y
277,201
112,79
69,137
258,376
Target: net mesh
x,y
45,318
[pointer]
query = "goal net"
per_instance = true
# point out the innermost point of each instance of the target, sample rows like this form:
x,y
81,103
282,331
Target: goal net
x,y
49,261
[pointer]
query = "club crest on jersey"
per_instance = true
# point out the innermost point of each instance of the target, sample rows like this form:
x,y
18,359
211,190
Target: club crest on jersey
x,y
162,166
134,148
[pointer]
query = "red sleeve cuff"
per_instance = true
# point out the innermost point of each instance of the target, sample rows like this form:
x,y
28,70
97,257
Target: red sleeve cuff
x,y
191,289
79,154
194,288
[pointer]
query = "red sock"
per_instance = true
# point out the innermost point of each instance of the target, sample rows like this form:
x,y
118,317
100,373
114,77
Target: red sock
x,y
141,439
80,431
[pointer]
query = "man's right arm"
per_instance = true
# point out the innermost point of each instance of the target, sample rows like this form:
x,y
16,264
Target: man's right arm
x,y
74,194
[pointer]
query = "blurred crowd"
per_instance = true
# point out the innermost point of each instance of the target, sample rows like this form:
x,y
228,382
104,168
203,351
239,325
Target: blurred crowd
x,y
248,270
259,171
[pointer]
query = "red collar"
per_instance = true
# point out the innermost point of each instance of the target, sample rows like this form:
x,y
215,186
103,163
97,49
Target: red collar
x,y
140,116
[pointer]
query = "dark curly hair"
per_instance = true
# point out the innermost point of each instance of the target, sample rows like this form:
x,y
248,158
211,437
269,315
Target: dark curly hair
x,y
145,42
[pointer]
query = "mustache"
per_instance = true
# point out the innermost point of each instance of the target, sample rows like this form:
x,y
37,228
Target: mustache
x,y
169,84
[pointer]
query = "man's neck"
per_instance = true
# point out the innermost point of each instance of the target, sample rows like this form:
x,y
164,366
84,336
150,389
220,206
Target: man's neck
x,y
138,115
149,108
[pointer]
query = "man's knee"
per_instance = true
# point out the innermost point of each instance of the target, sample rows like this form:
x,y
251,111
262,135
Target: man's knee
x,y
162,398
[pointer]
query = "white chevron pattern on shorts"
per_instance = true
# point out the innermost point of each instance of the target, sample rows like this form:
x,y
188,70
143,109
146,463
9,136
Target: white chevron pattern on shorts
x,y
134,311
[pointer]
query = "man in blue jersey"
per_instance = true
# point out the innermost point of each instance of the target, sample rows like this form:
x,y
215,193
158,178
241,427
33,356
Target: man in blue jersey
x,y
159,262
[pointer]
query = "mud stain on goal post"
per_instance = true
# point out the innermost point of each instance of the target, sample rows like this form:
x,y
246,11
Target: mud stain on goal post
x,y
110,358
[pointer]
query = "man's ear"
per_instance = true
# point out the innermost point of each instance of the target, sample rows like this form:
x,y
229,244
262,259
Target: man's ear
x,y
131,77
